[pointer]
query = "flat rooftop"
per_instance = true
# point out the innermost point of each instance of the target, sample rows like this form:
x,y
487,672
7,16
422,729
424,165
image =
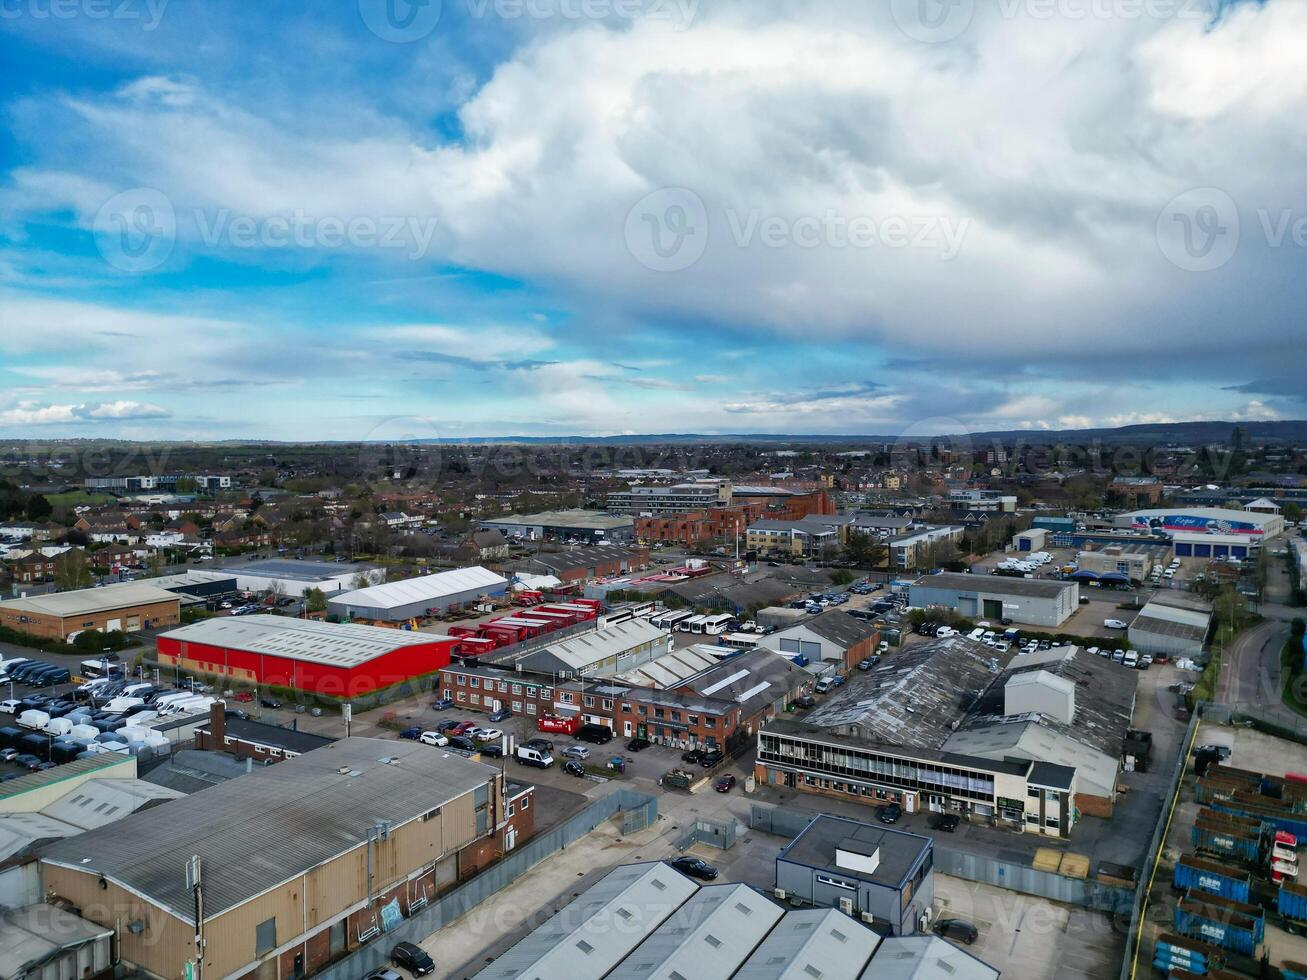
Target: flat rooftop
x,y
264,828
581,519
815,847
86,602
294,570
309,640
1028,588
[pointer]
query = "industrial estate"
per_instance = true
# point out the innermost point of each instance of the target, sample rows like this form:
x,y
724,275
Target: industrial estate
x,y
814,719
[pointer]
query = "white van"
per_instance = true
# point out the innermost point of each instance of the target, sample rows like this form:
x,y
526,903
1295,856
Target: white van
x,y
1131,659
36,720
1280,852
528,755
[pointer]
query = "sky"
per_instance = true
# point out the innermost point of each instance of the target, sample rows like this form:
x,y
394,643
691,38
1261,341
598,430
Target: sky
x,y
387,219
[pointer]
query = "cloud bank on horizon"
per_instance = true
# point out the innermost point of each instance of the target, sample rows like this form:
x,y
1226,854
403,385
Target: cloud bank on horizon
x,y
484,217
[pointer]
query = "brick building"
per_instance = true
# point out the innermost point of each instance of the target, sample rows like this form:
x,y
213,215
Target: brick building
x,y
253,739
127,607
698,527
301,862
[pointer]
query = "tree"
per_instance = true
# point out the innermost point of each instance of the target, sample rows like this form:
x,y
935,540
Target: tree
x,y
38,508
1291,512
315,601
72,570
865,549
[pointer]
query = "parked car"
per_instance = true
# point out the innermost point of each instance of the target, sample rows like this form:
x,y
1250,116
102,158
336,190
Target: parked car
x,y
9,707
27,761
383,974
503,714
595,734
412,733
805,701
637,744
413,958
492,751
576,752
889,813
694,867
540,743
442,704
9,755
462,742
244,696
724,784
957,929
573,768
463,727
269,702
711,758
448,726
433,738
486,734
1115,624
692,756
946,822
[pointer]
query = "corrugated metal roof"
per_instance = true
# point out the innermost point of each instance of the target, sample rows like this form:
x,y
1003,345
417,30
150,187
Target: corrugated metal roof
x,y
580,652
77,767
707,939
811,943
310,640
84,602
1166,627
994,584
261,829
588,938
425,588
925,958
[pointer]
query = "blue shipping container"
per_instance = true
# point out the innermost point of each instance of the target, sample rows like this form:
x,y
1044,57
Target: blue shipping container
x,y
1294,823
1227,844
1198,875
1228,934
1292,903
1180,952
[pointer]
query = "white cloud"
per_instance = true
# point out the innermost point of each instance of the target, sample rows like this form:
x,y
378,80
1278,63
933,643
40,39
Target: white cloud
x,y
34,413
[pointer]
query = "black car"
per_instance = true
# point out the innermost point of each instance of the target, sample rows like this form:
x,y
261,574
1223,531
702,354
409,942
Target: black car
x,y
957,929
637,744
442,704
460,742
693,756
270,702
27,761
446,725
694,867
889,813
711,759
573,768
946,822
805,701
594,734
492,751
237,713
412,733
543,744
412,958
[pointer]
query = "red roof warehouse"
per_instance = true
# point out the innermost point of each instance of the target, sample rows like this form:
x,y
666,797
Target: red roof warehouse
x,y
337,659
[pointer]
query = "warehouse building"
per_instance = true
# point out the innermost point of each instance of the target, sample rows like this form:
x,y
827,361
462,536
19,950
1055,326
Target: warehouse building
x,y
427,595
591,526
1172,623
44,941
128,607
833,638
1206,532
1036,602
1120,563
298,863
333,659
607,651
861,870
293,577
583,564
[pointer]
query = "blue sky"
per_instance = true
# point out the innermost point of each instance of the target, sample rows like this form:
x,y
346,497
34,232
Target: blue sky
x,y
489,217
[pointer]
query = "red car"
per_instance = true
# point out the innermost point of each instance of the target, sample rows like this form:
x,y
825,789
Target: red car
x,y
724,784
245,696
463,727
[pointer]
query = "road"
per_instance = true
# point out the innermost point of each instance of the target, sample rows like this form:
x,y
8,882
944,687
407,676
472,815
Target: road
x,y
1250,672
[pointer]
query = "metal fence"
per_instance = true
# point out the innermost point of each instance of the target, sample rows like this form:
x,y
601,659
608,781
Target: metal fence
x,y
790,821
638,810
718,833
